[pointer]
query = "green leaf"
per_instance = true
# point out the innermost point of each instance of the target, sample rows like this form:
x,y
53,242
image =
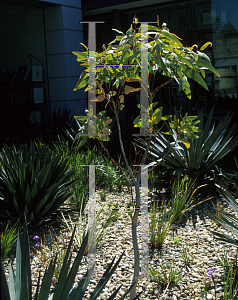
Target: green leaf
x,y
82,142
203,56
171,37
137,121
81,56
82,82
156,116
182,83
187,90
81,118
47,280
202,72
164,118
197,77
204,63
4,288
23,271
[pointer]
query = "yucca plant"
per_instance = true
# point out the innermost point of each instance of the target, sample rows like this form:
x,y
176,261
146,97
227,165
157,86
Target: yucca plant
x,y
35,181
20,285
212,144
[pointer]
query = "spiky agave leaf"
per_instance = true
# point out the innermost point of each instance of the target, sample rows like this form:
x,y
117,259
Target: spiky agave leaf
x,y
20,287
212,144
34,181
227,220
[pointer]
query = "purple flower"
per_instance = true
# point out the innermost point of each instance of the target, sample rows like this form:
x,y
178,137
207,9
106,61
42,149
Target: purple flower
x,y
164,205
37,245
162,191
156,231
35,237
211,272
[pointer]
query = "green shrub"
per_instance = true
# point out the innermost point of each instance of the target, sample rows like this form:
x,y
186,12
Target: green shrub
x,y
108,175
35,181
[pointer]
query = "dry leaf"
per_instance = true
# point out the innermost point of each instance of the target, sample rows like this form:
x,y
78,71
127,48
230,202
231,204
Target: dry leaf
x,y
130,89
133,80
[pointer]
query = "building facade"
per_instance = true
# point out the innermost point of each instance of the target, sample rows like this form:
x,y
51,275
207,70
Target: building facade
x,y
38,70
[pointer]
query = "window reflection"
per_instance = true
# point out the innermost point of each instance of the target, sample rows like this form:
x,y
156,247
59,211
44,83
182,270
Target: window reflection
x,y
225,46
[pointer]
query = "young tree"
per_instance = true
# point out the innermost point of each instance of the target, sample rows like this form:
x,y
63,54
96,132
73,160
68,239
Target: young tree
x,y
138,56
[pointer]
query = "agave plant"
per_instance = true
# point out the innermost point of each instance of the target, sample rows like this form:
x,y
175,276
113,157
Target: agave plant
x,y
212,144
20,285
34,181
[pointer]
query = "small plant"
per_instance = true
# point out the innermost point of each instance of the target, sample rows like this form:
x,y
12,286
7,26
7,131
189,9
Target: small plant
x,y
160,224
176,239
82,225
8,238
155,178
110,176
79,198
230,286
185,254
230,268
225,219
103,195
206,286
40,251
182,197
224,260
164,276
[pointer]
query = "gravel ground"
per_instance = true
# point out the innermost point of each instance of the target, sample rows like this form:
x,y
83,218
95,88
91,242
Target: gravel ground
x,y
192,232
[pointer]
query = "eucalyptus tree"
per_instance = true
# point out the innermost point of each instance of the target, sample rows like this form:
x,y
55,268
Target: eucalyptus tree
x,y
137,56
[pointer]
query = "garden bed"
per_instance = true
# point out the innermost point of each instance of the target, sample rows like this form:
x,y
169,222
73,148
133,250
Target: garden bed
x,y
189,250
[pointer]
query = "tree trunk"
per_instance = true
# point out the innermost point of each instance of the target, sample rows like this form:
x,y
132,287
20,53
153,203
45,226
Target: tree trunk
x,y
135,242
136,183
